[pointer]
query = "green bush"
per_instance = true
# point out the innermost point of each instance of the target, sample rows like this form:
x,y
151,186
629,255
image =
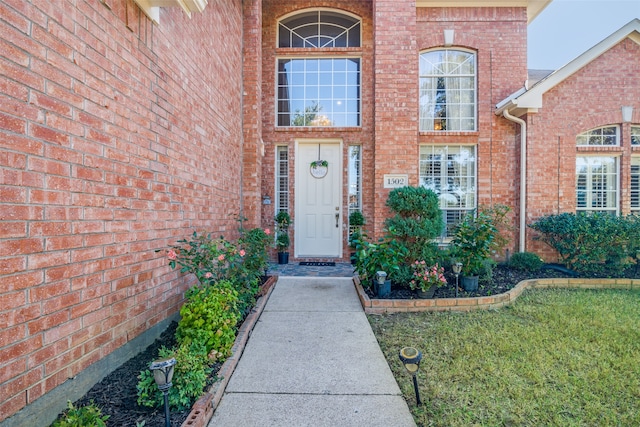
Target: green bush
x,y
84,416
526,261
477,238
190,375
595,243
210,317
386,255
416,223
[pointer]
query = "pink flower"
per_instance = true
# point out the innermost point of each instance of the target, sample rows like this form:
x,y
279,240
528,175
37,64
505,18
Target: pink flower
x,y
208,275
242,252
221,257
172,255
267,231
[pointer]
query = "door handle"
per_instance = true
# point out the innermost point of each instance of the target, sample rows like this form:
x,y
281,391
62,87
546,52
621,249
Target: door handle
x,y
337,219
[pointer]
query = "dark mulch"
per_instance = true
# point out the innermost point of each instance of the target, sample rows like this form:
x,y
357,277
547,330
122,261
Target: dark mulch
x,y
116,394
504,279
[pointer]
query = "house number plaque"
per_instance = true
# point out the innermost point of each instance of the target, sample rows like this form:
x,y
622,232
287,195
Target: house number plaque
x,y
395,180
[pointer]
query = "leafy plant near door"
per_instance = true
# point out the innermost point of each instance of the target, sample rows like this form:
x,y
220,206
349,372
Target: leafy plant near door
x,y
283,221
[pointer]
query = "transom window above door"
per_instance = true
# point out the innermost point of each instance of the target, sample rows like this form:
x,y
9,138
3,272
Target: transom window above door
x,y
319,29
321,92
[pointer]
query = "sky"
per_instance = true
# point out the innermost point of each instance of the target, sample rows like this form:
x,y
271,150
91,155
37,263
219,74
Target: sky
x,y
565,29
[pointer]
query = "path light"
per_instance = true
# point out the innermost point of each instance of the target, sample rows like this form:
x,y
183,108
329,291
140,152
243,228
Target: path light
x,y
457,268
163,374
411,358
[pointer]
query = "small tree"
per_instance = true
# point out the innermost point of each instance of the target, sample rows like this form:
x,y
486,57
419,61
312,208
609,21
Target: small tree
x,y
416,223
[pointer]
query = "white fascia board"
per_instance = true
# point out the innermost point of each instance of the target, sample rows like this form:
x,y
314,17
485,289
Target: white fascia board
x,y
151,7
534,7
532,98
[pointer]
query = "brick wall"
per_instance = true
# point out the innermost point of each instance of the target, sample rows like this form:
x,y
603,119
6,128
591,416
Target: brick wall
x,y
117,137
590,98
394,32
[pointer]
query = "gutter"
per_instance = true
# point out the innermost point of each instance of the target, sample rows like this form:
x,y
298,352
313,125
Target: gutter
x,y
523,175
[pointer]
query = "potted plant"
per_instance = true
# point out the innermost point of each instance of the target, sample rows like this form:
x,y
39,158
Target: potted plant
x,y
475,240
426,279
283,221
282,245
356,221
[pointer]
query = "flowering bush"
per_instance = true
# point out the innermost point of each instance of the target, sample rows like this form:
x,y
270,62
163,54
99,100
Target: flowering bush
x,y
425,276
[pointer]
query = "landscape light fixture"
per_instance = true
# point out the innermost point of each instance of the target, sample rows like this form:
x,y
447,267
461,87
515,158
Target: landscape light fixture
x,y
163,374
457,269
381,277
411,358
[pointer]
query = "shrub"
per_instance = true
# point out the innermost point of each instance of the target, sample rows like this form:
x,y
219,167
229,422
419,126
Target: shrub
x,y
416,223
84,416
254,242
210,317
209,259
190,375
386,255
591,243
356,219
526,261
477,238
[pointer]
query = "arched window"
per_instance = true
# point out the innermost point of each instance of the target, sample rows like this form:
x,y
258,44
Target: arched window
x,y
320,91
319,29
606,135
447,90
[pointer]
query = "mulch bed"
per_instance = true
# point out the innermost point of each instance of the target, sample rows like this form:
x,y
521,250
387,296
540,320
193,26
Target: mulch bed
x,y
504,279
116,394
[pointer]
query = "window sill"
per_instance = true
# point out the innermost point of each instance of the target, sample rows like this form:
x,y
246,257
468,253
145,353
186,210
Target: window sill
x,y
449,133
317,129
599,149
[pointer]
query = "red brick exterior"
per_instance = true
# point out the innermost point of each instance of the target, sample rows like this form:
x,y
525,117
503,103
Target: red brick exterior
x,y
590,98
393,35
117,137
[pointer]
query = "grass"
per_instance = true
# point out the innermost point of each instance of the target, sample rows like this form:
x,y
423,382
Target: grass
x,y
553,358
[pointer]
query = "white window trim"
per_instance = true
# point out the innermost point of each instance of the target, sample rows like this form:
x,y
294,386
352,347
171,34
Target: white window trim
x,y
616,127
617,181
278,58
444,238
317,9
475,91
277,188
634,210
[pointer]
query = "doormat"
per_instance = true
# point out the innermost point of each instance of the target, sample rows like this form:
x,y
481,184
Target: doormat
x,y
318,264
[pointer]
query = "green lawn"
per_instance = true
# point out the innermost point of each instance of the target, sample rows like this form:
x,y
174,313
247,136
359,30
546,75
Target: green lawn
x,y
554,358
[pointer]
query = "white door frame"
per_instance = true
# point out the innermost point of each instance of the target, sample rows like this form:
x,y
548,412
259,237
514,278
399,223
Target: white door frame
x,y
301,169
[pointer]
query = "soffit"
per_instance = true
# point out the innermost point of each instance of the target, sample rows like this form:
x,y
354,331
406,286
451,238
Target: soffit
x,y
534,7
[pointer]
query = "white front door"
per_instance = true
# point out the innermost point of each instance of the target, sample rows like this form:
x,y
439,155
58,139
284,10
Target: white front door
x,y
318,208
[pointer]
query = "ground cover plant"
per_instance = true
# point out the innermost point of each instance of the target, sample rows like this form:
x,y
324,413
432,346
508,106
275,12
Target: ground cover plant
x,y
554,357
228,277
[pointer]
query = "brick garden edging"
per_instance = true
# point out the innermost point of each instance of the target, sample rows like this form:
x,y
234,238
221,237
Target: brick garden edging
x,y
384,306
202,410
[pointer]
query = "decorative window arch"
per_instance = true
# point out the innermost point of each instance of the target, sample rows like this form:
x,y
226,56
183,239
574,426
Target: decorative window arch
x,y
605,135
319,28
448,90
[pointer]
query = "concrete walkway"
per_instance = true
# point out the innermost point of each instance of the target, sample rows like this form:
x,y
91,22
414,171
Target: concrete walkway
x,y
312,360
